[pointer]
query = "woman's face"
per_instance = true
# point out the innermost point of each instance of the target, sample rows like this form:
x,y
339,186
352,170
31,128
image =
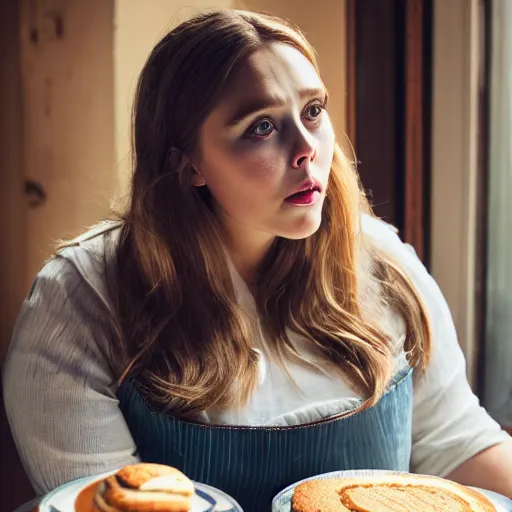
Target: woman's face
x,y
269,137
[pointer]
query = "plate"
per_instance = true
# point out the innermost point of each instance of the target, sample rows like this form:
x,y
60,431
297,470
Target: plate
x,y
282,502
206,499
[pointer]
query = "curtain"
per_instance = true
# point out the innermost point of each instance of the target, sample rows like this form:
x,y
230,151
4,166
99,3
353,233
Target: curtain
x,y
498,343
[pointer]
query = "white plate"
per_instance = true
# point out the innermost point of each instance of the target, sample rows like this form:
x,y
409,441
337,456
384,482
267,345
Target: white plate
x,y
282,502
206,499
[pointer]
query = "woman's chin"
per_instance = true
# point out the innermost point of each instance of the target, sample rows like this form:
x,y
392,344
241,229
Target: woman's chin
x,y
303,227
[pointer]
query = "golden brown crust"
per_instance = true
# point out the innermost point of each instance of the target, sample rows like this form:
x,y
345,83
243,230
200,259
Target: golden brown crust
x,y
318,495
145,488
138,474
337,494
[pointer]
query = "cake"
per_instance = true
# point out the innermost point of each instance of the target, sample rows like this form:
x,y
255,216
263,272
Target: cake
x,y
387,493
145,488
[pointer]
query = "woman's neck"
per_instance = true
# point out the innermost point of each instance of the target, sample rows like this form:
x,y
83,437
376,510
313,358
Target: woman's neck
x,y
247,251
247,247
247,261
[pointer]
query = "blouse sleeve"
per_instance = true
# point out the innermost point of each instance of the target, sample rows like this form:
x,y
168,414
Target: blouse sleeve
x,y
58,385
449,424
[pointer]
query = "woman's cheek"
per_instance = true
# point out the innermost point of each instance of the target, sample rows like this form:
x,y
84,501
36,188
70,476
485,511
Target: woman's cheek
x,y
259,166
326,141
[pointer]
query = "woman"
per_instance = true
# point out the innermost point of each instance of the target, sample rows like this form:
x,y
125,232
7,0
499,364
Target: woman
x,y
247,319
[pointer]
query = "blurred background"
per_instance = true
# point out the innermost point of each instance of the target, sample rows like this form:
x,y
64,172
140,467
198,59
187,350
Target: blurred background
x,y
420,89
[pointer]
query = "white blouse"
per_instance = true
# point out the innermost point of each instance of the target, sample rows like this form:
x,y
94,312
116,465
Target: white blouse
x,y
62,405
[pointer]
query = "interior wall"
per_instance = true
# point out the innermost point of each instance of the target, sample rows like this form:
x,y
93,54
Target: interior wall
x,y
456,65
56,133
12,207
14,486
68,124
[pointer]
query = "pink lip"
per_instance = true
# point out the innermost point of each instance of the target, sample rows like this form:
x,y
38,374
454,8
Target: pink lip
x,y
304,198
307,194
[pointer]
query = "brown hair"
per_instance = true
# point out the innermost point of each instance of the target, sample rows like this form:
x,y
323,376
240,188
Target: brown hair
x,y
182,334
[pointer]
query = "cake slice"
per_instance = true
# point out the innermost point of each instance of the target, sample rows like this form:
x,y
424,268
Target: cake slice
x,y
145,488
387,493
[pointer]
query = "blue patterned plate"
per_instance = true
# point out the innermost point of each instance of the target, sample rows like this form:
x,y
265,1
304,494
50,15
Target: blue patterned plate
x,y
206,499
282,502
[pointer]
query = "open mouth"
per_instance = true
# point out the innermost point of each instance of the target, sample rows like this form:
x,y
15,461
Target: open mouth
x,y
305,197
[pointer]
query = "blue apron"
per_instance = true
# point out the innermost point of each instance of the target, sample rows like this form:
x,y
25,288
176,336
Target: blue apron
x,y
253,464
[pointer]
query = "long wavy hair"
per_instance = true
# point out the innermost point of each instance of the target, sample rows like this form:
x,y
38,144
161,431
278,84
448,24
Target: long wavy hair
x,y
181,333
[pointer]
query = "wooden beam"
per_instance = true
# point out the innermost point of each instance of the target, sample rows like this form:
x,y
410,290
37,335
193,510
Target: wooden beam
x,y
351,70
414,133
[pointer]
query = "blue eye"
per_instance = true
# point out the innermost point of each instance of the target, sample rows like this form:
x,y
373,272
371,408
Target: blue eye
x,y
314,111
263,128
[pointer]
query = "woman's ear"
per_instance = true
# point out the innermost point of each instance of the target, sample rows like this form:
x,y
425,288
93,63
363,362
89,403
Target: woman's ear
x,y
198,179
178,159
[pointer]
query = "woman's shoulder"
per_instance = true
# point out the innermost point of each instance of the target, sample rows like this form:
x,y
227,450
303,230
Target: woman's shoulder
x,y
385,235
83,260
386,238
96,243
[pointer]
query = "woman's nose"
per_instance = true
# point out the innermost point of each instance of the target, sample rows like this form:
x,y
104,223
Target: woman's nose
x,y
304,153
